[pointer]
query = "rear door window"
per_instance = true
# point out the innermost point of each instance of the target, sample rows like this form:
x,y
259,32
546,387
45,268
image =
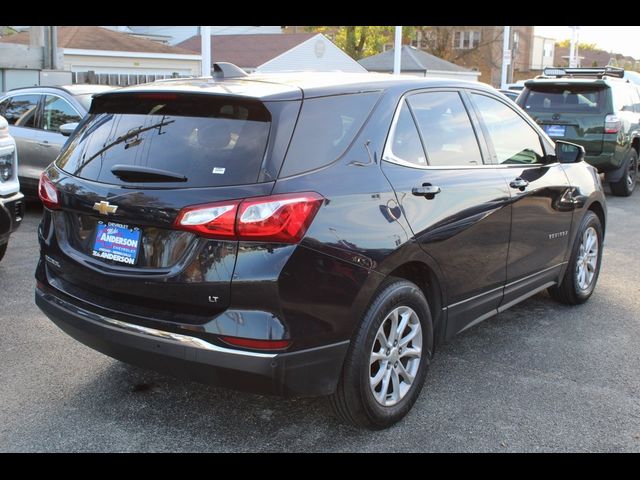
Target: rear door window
x,y
445,127
210,140
565,99
21,110
325,128
57,112
405,141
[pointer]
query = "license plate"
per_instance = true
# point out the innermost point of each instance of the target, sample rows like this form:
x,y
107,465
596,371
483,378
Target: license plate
x,y
555,130
117,242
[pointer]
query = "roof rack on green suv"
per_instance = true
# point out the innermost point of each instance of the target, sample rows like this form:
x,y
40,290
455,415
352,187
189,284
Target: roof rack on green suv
x,y
593,107
558,72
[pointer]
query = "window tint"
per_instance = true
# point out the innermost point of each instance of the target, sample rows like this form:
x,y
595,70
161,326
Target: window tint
x,y
446,130
325,128
405,143
565,99
513,139
212,141
58,111
21,110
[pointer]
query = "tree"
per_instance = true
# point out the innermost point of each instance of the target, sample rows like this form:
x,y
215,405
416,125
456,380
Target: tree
x,y
581,46
357,41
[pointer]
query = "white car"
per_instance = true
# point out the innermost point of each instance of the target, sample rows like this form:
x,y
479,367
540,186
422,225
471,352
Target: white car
x,y
11,200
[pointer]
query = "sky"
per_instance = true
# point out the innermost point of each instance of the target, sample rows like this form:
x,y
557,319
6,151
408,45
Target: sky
x,y
618,39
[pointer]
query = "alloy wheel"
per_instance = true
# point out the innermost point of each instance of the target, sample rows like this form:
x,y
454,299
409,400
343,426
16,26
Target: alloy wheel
x,y
587,261
395,356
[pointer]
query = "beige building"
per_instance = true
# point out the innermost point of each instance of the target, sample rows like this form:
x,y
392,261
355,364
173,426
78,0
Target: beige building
x,y
107,54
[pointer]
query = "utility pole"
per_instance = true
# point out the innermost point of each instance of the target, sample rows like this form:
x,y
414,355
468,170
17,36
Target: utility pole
x,y
573,47
506,56
205,39
397,52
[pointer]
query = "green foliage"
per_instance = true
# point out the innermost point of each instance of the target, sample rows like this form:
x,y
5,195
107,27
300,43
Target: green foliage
x,y
581,46
357,41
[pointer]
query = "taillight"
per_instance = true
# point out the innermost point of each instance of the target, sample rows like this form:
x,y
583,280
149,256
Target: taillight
x,y
48,193
215,220
257,344
612,124
277,218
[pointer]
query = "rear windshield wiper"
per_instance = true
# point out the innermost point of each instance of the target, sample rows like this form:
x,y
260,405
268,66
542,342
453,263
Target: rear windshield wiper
x,y
133,173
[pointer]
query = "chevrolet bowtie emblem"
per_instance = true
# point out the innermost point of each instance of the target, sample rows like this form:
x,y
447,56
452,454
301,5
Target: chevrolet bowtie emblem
x,y
104,208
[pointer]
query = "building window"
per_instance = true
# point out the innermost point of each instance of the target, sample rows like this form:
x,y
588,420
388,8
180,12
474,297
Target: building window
x,y
548,51
466,40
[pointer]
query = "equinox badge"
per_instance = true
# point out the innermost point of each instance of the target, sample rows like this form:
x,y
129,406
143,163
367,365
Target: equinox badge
x,y
104,208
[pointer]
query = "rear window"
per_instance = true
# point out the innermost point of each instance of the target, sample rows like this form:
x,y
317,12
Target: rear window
x,y
326,127
212,141
565,98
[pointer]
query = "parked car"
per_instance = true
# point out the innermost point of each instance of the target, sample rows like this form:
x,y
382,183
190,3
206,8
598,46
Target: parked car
x,y
595,108
11,200
309,235
511,94
40,120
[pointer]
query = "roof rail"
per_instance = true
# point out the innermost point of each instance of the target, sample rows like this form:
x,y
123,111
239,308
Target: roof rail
x,y
227,70
584,72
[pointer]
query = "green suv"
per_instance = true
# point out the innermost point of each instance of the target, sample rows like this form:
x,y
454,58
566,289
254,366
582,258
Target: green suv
x,y
593,107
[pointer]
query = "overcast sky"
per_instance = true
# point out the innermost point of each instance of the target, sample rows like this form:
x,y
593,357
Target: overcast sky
x,y
625,40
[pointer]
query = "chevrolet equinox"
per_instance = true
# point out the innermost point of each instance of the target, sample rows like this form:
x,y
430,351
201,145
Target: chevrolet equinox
x,y
309,234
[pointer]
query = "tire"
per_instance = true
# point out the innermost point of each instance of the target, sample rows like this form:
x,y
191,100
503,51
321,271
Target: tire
x,y
355,400
3,249
575,289
625,186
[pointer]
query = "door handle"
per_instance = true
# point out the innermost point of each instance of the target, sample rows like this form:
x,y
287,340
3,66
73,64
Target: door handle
x,y
520,183
426,190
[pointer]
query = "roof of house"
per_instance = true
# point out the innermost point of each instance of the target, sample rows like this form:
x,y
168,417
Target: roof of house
x,y
248,51
97,38
412,60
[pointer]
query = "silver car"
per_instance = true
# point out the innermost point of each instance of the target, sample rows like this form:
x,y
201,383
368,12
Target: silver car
x,y
40,120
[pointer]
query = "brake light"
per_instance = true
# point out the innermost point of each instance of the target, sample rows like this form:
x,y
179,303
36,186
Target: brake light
x,y
215,220
612,124
257,344
48,193
277,218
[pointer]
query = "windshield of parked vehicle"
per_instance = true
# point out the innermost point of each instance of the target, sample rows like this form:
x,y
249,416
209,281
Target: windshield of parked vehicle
x,y
564,99
212,141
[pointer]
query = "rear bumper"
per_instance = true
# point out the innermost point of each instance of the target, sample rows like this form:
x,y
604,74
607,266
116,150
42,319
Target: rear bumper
x,y
604,162
11,214
307,372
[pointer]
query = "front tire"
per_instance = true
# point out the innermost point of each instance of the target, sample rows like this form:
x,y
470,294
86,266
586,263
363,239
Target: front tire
x,y
388,358
583,270
625,186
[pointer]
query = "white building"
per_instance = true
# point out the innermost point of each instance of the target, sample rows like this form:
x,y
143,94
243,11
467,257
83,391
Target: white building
x,y
542,52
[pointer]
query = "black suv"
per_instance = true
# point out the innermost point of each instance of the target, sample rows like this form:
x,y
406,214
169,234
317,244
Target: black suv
x,y
309,234
595,108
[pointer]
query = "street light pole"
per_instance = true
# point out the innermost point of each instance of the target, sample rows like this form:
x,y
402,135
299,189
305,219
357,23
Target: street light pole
x,y
205,44
506,56
573,47
397,51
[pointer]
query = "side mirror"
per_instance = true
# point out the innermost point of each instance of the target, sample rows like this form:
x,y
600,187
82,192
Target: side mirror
x,y
567,152
68,128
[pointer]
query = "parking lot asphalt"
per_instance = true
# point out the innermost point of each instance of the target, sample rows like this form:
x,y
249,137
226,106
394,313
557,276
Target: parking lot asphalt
x,y
539,377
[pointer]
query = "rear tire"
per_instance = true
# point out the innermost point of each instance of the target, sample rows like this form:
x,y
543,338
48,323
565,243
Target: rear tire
x,y
581,276
388,358
3,249
625,186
